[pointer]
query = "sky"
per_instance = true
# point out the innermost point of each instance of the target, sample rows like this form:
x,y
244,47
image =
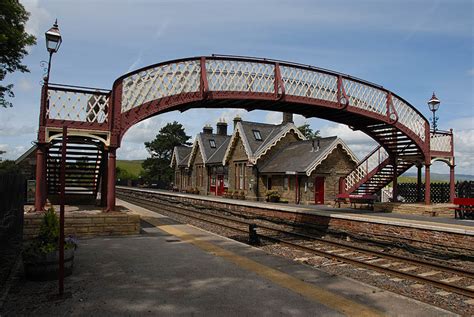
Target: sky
x,y
411,47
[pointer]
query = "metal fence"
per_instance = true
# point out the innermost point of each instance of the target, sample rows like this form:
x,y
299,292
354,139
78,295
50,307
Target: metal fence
x,y
12,196
439,191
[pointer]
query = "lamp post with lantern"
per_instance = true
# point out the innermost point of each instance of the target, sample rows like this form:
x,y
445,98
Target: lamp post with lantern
x,y
53,42
433,104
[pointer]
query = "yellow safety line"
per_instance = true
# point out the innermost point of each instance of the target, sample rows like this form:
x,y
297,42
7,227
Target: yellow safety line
x,y
327,298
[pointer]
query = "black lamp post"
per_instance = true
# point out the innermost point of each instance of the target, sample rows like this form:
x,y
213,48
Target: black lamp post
x,y
53,42
433,104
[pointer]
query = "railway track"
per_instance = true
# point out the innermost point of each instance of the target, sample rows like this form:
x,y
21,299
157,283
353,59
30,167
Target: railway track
x,y
447,278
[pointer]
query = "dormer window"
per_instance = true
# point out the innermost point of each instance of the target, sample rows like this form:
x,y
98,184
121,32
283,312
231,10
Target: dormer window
x,y
212,143
257,135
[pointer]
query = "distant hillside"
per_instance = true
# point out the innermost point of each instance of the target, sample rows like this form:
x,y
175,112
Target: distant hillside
x,y
438,177
134,167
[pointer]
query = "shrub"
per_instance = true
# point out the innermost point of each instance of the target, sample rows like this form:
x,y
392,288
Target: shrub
x,y
273,195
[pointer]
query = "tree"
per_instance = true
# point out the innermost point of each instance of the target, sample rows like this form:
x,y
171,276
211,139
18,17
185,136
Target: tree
x,y
308,132
157,167
13,43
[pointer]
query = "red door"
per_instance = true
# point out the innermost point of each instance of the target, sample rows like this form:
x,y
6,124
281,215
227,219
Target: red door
x,y
220,185
319,190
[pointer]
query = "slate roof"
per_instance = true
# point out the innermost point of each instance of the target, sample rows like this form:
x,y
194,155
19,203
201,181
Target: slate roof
x,y
300,157
270,134
210,155
181,155
214,155
267,131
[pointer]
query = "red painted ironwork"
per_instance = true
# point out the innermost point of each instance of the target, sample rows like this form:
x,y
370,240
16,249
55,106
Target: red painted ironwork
x,y
111,180
221,81
61,211
40,192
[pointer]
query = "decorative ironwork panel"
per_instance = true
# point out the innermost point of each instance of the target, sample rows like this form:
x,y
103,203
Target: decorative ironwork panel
x,y
364,168
309,83
76,105
440,142
409,117
365,97
241,76
161,81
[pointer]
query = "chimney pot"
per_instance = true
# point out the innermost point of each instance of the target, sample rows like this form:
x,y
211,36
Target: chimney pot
x,y
222,128
207,129
237,119
287,117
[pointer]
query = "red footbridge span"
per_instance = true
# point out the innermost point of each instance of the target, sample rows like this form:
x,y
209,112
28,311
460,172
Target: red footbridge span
x,y
97,119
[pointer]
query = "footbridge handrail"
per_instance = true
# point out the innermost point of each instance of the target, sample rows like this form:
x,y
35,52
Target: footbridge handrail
x,y
264,77
366,166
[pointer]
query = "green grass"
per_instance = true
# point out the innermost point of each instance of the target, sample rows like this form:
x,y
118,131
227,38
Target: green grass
x,y
133,167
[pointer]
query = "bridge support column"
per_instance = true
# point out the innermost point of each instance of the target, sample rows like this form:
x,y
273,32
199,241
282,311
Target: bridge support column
x,y
104,180
418,184
111,180
427,185
395,182
452,184
40,194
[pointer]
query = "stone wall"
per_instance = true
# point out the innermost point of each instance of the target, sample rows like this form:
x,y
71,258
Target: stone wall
x,y
87,224
335,166
440,210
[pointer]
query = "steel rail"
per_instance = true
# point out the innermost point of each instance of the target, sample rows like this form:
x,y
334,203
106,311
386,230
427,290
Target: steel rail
x,y
443,285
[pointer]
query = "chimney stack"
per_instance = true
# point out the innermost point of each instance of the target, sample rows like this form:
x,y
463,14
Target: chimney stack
x,y
237,119
287,117
222,128
207,129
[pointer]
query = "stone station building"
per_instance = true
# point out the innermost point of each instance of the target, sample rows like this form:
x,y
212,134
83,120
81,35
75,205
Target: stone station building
x,y
260,157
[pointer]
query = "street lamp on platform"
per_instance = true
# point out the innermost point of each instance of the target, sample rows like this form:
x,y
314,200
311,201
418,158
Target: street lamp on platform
x,y
53,42
433,104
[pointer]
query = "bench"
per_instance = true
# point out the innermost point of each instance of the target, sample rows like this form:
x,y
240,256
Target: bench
x,y
464,208
355,199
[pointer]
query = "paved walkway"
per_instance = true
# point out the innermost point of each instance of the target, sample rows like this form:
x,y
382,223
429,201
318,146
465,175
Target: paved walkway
x,y
179,270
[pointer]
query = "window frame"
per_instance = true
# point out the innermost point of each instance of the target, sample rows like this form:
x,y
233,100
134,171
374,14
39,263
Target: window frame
x,y
212,143
257,135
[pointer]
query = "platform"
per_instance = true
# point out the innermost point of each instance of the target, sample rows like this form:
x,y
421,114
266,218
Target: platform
x,y
174,269
461,226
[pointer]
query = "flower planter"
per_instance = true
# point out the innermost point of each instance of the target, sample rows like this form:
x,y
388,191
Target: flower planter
x,y
46,267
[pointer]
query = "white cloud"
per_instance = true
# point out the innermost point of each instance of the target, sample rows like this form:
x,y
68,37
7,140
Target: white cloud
x,y
39,17
12,152
24,85
471,72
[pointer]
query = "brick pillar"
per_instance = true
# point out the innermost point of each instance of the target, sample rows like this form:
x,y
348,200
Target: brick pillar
x,y
418,184
452,184
40,194
111,180
427,185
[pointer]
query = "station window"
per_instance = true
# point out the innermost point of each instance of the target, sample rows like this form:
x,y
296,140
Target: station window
x,y
257,135
212,143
